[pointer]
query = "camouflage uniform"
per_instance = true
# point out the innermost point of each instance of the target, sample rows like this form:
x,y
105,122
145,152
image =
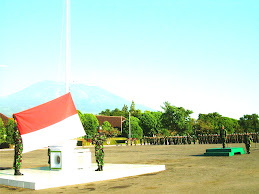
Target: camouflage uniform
x,y
223,135
194,139
17,151
99,153
184,140
162,141
135,141
248,143
189,141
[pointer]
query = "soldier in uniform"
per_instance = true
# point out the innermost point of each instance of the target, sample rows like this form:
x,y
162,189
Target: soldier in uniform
x,y
223,135
17,150
148,140
194,139
247,142
199,138
161,141
184,140
99,153
189,139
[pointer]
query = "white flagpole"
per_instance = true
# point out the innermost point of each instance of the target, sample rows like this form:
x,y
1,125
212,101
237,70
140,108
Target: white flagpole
x,y
68,59
121,124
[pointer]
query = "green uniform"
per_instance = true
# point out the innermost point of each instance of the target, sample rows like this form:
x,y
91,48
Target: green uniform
x,y
194,139
99,153
223,135
248,143
17,150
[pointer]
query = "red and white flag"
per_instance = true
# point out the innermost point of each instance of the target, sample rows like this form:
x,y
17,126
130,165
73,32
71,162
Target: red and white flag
x,y
51,123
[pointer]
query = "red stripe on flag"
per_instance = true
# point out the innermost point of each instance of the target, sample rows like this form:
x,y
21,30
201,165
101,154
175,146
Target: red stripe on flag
x,y
45,114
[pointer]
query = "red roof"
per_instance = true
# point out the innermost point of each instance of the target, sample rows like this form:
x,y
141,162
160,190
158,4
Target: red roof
x,y
4,119
115,121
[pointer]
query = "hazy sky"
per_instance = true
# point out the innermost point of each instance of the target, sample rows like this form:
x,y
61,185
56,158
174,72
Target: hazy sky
x,y
202,55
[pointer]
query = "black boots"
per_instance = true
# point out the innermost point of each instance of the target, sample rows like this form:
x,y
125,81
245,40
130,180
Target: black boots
x,y
17,172
100,168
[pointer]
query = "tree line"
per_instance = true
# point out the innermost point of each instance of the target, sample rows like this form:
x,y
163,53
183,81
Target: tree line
x,y
170,121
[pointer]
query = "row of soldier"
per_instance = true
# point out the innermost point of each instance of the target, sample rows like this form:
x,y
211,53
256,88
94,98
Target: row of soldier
x,y
201,139
171,140
230,138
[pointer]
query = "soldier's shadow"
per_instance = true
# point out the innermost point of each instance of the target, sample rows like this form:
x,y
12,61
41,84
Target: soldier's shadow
x,y
198,155
5,168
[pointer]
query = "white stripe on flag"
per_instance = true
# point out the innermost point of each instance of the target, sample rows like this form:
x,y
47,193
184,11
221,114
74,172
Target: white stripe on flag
x,y
57,133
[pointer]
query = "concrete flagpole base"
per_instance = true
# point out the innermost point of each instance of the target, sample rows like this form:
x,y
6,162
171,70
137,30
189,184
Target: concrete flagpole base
x,y
44,178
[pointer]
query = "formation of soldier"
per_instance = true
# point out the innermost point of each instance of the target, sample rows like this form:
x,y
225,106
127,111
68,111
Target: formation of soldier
x,y
230,138
201,139
171,140
99,152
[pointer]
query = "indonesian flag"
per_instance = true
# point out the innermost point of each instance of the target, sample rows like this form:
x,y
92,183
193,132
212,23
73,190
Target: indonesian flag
x,y
51,123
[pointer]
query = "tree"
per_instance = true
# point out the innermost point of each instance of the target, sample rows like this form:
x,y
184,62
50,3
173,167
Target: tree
x,y
107,112
80,114
231,125
90,124
176,118
125,111
134,112
136,130
212,123
132,107
148,124
108,130
2,132
209,123
165,132
158,116
116,112
137,113
250,123
204,127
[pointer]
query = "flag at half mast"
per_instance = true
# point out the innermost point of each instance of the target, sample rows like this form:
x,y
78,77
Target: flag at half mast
x,y
51,123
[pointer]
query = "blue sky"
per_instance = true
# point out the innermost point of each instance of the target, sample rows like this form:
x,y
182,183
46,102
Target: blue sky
x,y
198,54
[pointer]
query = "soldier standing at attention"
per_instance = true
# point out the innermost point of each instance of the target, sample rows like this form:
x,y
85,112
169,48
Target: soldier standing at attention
x,y
194,139
99,153
223,135
17,150
247,142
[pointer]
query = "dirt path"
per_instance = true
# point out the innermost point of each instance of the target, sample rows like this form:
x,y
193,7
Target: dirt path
x,y
187,171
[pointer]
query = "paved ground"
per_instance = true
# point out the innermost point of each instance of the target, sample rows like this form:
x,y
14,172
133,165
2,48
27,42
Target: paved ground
x,y
187,171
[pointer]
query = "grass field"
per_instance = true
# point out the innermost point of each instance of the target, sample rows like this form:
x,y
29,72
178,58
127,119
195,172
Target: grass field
x,y
187,170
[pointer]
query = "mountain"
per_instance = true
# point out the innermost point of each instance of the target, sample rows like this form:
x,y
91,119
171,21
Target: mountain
x,y
87,99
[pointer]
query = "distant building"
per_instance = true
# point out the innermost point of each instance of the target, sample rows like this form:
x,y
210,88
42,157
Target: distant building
x,y
4,119
115,121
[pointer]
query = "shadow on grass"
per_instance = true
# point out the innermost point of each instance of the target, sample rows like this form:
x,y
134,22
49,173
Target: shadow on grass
x,y
198,155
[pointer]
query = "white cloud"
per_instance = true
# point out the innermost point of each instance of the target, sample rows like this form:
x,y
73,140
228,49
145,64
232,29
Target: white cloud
x,y
3,66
